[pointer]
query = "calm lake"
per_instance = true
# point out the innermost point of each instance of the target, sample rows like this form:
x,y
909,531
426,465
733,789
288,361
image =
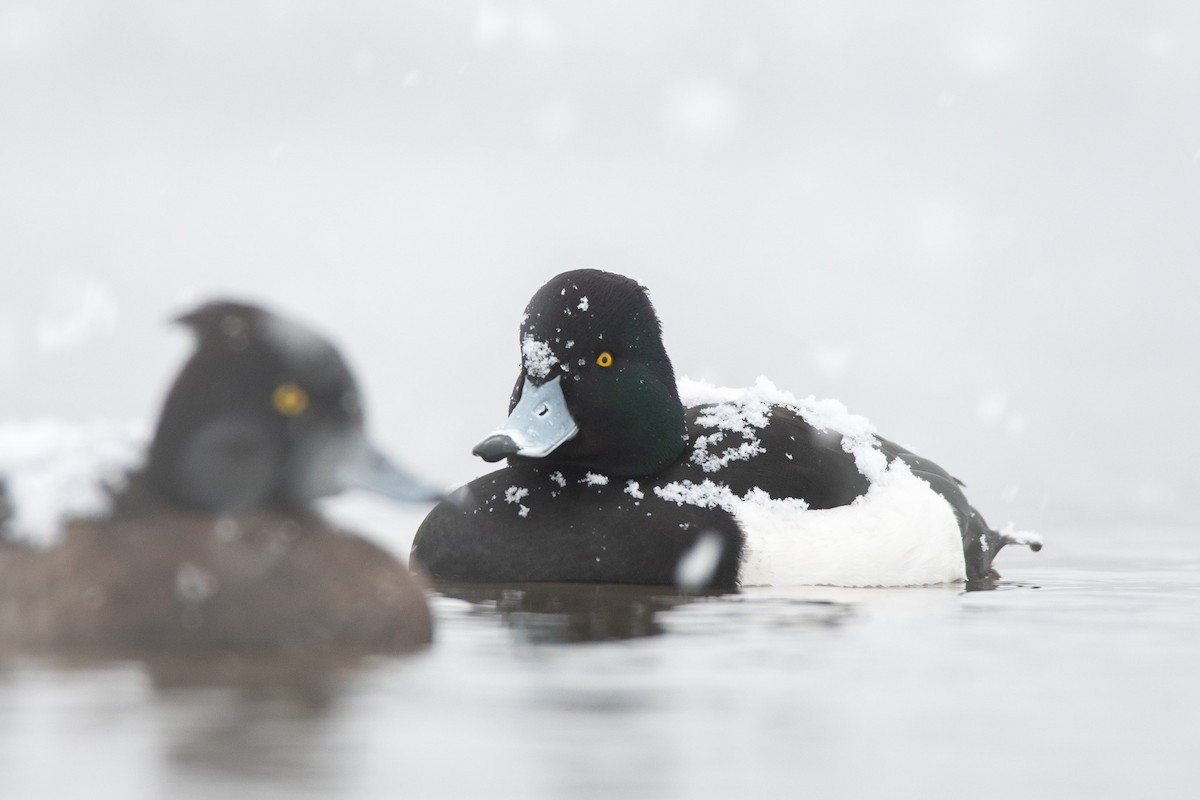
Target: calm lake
x,y
1076,677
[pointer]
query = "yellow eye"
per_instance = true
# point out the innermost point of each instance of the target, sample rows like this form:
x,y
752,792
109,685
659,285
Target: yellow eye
x,y
605,359
289,399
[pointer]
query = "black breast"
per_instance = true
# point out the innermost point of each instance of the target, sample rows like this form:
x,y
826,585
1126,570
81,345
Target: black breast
x,y
530,523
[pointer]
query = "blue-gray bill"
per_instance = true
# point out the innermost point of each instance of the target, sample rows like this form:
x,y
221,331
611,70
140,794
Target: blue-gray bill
x,y
537,426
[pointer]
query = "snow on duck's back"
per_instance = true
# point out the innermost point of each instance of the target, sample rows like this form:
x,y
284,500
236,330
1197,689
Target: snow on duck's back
x,y
898,533
750,407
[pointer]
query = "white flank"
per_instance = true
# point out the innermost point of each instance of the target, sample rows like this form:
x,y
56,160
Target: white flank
x,y
900,533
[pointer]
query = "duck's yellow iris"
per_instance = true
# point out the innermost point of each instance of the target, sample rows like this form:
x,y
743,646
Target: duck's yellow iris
x,y
605,359
289,399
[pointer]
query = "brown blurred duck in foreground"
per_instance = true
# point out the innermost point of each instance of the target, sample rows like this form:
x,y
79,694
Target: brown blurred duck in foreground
x,y
214,545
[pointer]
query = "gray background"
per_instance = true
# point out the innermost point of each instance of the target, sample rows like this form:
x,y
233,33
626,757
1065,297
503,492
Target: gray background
x,y
975,223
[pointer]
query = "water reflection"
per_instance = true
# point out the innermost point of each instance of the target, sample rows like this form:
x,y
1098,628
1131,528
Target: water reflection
x,y
986,584
268,721
563,613
204,718
559,613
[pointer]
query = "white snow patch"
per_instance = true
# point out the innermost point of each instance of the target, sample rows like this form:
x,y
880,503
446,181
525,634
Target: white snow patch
x,y
711,462
538,356
514,495
583,303
632,488
55,470
743,415
824,414
558,478
746,410
593,479
705,494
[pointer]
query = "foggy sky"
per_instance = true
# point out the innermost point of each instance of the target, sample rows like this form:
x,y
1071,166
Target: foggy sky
x,y
977,226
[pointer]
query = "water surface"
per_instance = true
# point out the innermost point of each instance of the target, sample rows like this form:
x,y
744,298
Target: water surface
x,y
1075,677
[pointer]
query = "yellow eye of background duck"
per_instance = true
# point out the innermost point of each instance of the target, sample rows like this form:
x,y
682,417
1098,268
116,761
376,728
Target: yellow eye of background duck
x,y
604,359
289,399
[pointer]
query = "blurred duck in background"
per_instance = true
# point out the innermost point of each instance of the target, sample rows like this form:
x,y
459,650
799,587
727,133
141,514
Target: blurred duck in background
x,y
214,545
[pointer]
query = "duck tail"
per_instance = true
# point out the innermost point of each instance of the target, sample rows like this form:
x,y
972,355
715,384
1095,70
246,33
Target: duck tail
x,y
1010,535
982,543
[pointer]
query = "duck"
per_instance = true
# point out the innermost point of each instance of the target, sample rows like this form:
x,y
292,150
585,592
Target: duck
x,y
214,544
617,472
